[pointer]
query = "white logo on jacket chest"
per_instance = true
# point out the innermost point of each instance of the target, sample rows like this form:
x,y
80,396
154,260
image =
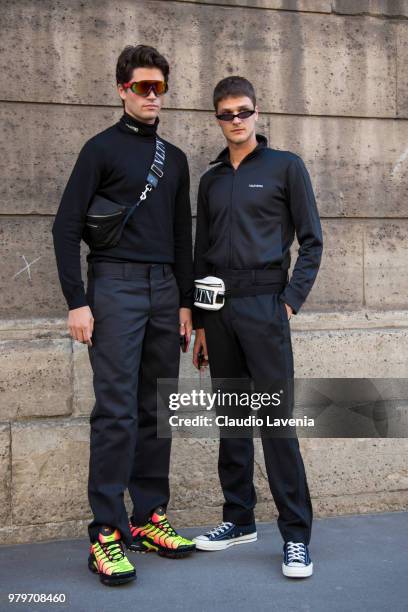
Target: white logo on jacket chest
x,y
255,185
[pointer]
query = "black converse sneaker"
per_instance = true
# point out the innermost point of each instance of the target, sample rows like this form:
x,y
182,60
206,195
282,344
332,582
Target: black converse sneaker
x,y
296,560
226,535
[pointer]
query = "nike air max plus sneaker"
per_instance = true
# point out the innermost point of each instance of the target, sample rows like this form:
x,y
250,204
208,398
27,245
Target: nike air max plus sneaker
x,y
159,536
225,535
107,558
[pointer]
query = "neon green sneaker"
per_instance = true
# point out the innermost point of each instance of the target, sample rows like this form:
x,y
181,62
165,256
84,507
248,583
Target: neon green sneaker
x,y
159,536
107,558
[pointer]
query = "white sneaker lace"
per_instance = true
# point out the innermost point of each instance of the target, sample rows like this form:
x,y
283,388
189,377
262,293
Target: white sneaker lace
x,y
219,529
296,552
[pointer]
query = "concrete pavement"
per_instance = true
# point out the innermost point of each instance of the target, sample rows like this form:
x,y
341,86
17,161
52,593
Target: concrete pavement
x,y
361,564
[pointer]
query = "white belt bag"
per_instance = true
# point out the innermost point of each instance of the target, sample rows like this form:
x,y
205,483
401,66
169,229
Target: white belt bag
x,y
209,293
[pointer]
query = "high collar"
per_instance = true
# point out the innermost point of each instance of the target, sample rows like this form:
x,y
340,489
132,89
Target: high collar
x,y
262,143
131,125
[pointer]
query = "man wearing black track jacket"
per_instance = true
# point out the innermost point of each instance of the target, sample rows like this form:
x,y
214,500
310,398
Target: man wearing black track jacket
x,y
251,202
136,306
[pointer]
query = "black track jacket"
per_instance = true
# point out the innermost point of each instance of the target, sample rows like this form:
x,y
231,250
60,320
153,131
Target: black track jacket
x,y
247,218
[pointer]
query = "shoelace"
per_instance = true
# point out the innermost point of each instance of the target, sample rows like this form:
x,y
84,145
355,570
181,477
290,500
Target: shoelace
x,y
219,529
113,550
165,525
296,552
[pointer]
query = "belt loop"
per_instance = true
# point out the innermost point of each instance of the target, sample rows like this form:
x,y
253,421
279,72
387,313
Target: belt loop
x,y
253,276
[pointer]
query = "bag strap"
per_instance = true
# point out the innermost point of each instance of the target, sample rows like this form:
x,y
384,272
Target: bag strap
x,y
155,173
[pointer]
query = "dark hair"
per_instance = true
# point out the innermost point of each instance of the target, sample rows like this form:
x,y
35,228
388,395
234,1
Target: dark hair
x,y
141,56
233,86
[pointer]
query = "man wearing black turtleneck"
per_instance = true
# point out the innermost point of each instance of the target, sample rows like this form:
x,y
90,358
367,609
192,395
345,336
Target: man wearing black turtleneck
x,y
137,304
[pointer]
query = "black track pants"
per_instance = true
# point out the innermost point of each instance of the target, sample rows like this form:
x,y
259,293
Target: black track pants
x,y
249,338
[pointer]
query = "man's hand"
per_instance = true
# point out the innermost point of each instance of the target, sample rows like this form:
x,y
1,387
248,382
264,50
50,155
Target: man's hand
x,y
289,310
186,324
80,324
200,343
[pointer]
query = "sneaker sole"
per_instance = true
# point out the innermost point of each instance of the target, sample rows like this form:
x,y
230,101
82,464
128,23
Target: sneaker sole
x,y
142,548
174,554
297,572
246,539
146,547
111,580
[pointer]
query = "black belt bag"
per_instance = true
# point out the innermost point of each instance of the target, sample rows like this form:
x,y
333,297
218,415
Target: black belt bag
x,y
106,219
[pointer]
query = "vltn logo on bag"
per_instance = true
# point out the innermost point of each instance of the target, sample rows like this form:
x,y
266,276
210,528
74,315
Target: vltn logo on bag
x,y
255,185
205,296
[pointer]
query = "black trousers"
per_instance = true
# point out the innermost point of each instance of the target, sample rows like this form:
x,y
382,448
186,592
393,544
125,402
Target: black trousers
x,y
135,341
249,338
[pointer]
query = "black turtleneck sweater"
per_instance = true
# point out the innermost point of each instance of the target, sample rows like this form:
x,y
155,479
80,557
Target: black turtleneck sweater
x,y
115,163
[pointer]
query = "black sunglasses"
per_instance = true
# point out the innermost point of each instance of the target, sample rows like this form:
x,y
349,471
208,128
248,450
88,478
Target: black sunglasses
x,y
231,116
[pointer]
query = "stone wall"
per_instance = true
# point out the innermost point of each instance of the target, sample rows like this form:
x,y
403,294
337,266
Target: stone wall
x,y
332,83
